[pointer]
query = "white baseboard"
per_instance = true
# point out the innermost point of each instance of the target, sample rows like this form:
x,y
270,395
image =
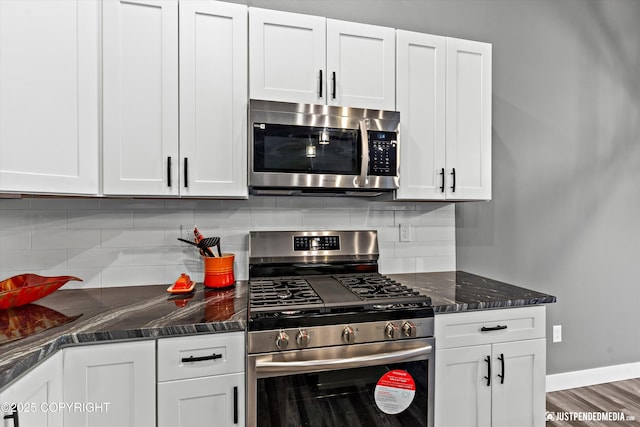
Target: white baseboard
x,y
589,377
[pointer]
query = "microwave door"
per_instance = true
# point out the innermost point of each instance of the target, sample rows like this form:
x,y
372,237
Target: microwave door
x,y
306,150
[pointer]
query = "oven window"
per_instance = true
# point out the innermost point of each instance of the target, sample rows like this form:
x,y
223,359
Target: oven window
x,y
338,398
306,149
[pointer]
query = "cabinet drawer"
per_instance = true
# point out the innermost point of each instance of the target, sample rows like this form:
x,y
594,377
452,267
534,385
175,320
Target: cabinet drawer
x,y
199,356
463,329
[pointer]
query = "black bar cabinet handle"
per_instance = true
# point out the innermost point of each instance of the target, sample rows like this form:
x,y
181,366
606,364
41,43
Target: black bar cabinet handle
x,y
235,405
501,359
169,171
14,416
333,90
186,172
488,377
494,328
442,175
320,90
201,358
453,174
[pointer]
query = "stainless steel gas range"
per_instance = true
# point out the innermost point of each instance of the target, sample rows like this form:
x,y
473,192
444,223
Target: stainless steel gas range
x,y
331,341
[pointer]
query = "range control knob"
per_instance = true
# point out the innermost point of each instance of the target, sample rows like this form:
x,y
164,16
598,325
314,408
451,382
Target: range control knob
x,y
409,330
391,331
282,340
303,338
348,335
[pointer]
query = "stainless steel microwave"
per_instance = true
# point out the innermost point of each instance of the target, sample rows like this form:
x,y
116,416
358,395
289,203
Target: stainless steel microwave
x,y
298,149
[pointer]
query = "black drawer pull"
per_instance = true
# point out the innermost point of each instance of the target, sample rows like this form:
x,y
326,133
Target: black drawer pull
x,y
501,359
14,416
333,91
495,328
169,171
453,174
488,377
201,358
235,405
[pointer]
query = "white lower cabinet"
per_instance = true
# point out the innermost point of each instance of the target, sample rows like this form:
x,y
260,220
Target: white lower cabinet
x,y
117,378
201,381
36,397
490,368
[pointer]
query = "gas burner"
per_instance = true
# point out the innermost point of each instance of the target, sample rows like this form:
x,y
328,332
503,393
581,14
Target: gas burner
x,y
275,292
375,286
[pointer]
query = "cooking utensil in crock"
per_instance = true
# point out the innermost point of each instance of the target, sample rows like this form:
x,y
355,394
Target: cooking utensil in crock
x,y
211,242
204,248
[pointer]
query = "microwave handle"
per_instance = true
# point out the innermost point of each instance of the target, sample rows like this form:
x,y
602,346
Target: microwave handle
x,y
364,140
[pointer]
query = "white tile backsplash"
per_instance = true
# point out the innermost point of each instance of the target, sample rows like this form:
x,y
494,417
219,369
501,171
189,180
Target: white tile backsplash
x,y
122,242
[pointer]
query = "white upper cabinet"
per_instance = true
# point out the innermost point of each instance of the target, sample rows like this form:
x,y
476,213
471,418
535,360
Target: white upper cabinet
x,y
287,56
444,99
140,153
213,99
421,103
361,62
468,112
49,96
175,98
310,59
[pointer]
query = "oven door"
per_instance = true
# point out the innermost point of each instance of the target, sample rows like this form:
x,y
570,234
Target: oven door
x,y
380,384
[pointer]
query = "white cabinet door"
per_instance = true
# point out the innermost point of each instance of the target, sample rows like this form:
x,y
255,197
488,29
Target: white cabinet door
x,y
420,95
123,375
140,97
37,394
468,111
444,99
49,105
311,59
216,400
287,56
361,65
490,368
463,398
519,397
213,99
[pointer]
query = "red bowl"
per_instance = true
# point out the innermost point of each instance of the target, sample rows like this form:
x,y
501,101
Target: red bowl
x,y
27,288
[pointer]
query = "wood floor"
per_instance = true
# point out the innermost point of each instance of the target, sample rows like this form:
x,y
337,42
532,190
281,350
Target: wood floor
x,y
620,401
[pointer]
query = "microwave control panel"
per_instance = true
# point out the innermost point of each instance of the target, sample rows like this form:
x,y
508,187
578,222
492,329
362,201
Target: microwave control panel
x,y
383,153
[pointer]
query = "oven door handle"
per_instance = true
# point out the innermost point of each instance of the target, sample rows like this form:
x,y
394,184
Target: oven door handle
x,y
302,366
364,140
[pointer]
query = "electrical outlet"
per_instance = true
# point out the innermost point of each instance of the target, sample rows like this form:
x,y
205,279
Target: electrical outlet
x,y
557,333
405,232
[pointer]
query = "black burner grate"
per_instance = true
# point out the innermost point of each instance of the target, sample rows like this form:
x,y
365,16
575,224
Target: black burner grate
x,y
281,291
374,286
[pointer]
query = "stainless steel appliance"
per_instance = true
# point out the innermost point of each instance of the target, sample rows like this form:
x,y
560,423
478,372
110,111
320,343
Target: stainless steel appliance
x,y
299,149
331,342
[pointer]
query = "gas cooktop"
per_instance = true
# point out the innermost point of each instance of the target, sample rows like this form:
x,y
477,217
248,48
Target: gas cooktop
x,y
312,278
330,294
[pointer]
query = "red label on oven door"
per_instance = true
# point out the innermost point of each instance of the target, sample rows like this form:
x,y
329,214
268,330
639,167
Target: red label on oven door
x,y
395,391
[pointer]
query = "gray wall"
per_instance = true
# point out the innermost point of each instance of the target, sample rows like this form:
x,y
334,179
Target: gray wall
x,y
566,141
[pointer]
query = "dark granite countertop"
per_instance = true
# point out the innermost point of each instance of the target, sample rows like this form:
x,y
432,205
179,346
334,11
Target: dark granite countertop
x,y
31,333
455,291
147,312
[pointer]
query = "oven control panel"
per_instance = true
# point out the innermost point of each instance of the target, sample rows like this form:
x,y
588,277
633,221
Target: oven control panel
x,y
316,243
339,334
